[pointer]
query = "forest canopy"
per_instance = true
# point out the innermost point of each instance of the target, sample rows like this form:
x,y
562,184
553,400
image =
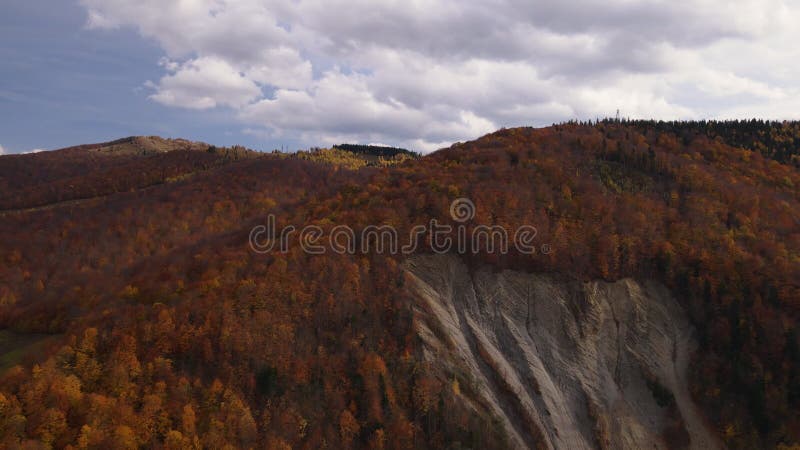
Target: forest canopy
x,y
165,330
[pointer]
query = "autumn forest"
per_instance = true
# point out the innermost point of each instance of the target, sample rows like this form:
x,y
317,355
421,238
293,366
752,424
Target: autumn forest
x,y
133,313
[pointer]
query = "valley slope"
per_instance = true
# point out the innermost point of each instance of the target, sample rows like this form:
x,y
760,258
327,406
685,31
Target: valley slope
x,y
665,314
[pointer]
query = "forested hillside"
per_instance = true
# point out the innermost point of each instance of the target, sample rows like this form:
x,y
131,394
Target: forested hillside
x,y
165,329
777,140
88,171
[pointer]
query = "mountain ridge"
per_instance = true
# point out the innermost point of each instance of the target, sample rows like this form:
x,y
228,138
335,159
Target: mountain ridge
x,y
160,306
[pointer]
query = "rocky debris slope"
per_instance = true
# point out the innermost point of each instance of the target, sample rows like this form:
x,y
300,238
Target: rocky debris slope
x,y
561,363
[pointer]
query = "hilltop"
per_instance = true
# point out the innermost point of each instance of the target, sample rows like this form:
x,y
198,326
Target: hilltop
x,y
142,145
96,170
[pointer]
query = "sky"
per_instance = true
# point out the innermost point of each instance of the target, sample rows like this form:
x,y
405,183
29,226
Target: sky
x,y
420,74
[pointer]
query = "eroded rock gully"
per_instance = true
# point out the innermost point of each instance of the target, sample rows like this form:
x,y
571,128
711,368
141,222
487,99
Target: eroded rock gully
x,y
562,364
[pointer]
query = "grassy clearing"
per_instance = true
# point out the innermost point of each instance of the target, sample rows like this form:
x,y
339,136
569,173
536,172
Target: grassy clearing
x,y
15,348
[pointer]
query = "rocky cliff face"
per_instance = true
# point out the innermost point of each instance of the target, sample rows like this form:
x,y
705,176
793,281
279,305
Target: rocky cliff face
x,y
560,363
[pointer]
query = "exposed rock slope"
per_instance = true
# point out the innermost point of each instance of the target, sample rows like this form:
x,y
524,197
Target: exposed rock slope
x,y
561,363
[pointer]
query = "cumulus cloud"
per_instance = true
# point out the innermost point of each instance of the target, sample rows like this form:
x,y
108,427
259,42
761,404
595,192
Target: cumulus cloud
x,y
2,150
204,83
424,73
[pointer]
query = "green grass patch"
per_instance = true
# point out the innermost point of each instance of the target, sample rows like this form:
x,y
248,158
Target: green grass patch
x,y
15,347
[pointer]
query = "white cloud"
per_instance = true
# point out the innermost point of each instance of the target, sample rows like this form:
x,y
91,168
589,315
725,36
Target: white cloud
x,y
2,150
281,67
425,73
204,83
